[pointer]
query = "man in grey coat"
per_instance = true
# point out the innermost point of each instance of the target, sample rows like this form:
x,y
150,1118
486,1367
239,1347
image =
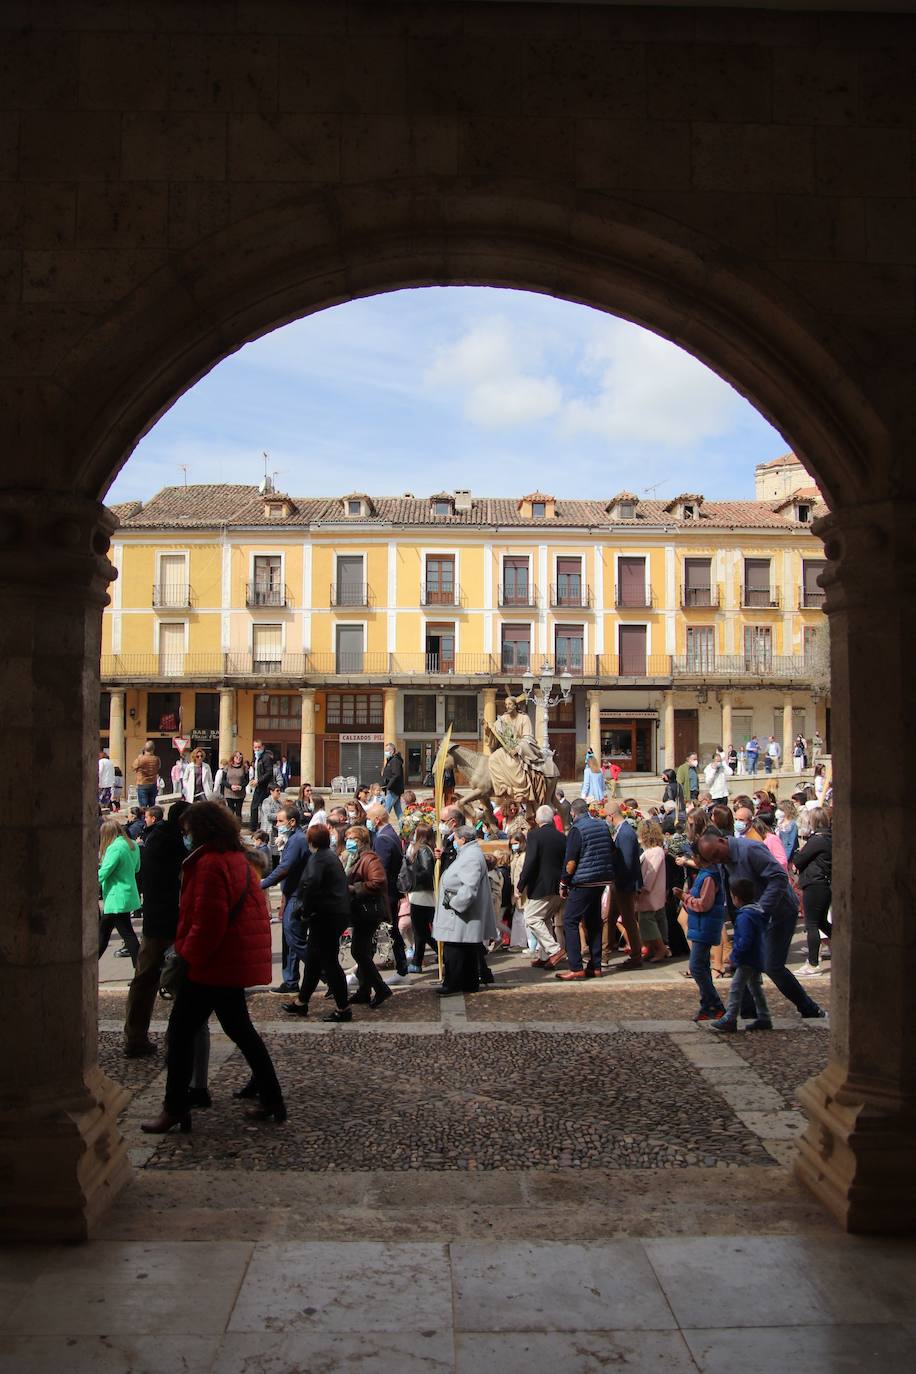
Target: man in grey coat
x,y
464,915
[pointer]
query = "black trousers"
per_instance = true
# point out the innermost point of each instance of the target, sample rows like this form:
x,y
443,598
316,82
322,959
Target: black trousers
x,y
322,960
235,805
193,1005
817,904
370,980
421,918
119,921
399,949
260,792
461,967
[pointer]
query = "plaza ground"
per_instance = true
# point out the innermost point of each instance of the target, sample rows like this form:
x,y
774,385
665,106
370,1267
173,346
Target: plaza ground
x,y
536,1176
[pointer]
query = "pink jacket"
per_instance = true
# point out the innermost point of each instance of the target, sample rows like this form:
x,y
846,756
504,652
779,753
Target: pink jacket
x,y
652,896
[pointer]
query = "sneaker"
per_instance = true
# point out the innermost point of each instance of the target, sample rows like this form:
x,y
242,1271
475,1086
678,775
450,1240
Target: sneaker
x,y
726,1024
762,1023
122,953
414,968
709,1015
809,971
816,1014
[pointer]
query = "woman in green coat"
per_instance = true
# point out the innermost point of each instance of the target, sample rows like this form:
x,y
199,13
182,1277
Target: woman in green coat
x,y
119,864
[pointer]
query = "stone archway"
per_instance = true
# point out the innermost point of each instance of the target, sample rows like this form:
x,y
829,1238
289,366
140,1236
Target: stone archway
x,y
62,1154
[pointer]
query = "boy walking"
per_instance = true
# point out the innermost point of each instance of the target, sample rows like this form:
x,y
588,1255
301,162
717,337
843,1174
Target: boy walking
x,y
748,959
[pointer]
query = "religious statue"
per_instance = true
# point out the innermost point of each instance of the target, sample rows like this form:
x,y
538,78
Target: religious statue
x,y
518,763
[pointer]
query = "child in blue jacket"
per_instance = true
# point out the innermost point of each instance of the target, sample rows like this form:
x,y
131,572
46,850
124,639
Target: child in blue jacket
x,y
748,958
705,907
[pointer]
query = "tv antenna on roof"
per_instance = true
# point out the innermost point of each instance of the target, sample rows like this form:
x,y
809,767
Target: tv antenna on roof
x,y
184,468
266,484
649,491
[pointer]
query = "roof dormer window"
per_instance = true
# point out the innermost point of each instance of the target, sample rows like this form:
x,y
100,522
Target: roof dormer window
x,y
442,507
690,512
356,504
686,506
803,512
537,506
277,507
626,510
354,507
539,510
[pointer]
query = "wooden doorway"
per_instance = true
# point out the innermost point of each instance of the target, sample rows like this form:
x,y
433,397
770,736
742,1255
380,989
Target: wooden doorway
x,y
686,735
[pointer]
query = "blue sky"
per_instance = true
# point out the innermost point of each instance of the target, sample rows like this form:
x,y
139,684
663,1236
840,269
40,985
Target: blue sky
x,y
500,391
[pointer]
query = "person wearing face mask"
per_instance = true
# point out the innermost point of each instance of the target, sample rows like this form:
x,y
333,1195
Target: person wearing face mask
x,y
716,777
324,913
452,818
539,882
787,826
464,916
367,883
422,862
161,857
387,844
754,828
393,779
288,873
270,808
263,777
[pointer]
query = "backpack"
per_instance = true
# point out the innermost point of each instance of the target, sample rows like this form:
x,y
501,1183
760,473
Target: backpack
x,y
405,878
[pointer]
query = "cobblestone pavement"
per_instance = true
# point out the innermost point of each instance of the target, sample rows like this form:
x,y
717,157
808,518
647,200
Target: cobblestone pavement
x,y
135,1074
783,1060
515,1100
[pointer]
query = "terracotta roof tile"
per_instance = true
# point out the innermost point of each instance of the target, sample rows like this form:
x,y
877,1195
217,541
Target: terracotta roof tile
x,y
208,507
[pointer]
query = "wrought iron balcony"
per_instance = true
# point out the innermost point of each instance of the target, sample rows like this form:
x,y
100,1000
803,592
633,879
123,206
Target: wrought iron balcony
x,y
440,596
812,599
261,594
523,598
755,667
633,598
351,594
573,598
699,597
172,596
760,599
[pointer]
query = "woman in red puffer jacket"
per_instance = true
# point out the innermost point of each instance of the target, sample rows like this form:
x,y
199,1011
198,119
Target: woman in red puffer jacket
x,y
224,941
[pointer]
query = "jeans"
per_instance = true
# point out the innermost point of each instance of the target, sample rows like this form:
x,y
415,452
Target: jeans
x,y
147,792
778,941
817,904
583,904
710,1001
367,973
193,1005
421,918
322,957
393,803
296,943
257,797
752,763
745,977
119,921
144,987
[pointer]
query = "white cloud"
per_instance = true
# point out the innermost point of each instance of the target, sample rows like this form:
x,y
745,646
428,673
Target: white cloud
x,y
646,389
498,373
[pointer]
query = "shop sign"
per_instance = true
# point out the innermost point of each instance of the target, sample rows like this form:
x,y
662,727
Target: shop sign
x,y
361,739
624,714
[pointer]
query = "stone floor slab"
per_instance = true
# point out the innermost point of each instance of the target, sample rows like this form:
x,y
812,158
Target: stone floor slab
x,y
359,1286
109,1354
327,1352
585,1352
765,1281
556,1287
818,1350
63,1305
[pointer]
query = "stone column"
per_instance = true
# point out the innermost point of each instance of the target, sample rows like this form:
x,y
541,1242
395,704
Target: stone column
x,y
307,736
858,1150
788,732
116,731
541,723
727,727
391,715
594,723
226,722
62,1158
489,715
670,760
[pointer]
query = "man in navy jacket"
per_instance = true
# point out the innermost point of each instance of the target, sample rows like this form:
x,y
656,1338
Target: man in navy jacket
x,y
627,881
387,844
288,873
589,867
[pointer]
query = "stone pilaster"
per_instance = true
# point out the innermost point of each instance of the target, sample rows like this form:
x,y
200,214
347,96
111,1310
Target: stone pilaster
x,y
390,717
489,715
307,736
788,731
668,721
727,727
858,1150
594,723
116,731
62,1158
226,722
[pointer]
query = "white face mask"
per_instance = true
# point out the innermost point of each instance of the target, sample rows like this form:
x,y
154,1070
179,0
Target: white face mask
x,y
780,815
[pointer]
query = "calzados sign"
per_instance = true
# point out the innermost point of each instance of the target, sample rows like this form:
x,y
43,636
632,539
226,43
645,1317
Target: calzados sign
x,y
362,739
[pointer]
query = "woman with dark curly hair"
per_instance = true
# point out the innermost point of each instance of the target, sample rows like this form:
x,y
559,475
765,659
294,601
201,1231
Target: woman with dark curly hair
x,y
223,941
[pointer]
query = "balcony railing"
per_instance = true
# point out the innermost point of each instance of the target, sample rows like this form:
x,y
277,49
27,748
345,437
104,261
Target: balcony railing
x,y
520,598
260,594
756,666
699,597
171,596
443,665
812,599
760,599
577,598
350,594
633,598
440,596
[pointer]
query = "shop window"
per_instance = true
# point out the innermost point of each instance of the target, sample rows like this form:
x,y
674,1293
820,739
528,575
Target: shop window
x,y
206,711
420,711
277,711
163,712
345,709
461,713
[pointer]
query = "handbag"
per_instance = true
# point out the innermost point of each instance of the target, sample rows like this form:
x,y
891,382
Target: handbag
x,y
174,972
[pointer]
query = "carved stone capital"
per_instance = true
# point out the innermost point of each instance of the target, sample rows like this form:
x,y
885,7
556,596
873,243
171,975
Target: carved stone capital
x,y
871,553
55,544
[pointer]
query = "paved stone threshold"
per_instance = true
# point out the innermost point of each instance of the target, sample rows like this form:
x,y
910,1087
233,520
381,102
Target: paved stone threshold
x,y
754,1102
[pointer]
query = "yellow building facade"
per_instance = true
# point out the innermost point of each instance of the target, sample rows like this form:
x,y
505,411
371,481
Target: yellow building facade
x,y
327,626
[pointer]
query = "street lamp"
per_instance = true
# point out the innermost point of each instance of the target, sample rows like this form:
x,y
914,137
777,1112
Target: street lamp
x,y
542,694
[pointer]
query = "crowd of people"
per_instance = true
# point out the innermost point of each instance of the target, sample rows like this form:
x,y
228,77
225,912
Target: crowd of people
x,y
590,887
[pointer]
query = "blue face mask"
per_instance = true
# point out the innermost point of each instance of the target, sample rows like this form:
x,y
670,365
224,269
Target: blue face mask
x,y
282,829
370,826
187,842
740,827
352,847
